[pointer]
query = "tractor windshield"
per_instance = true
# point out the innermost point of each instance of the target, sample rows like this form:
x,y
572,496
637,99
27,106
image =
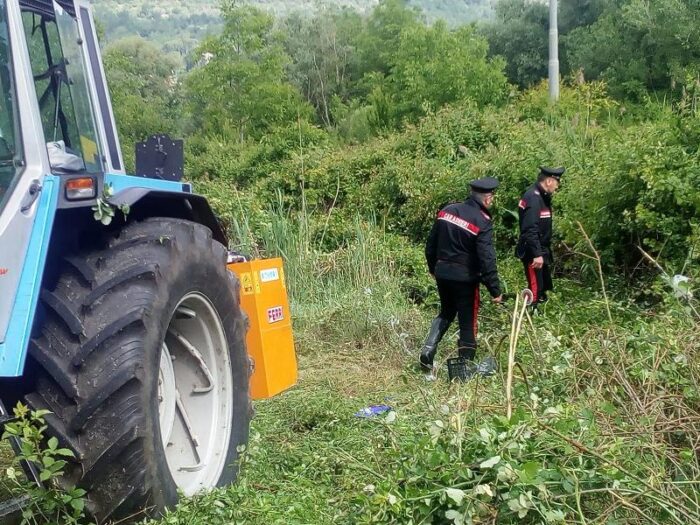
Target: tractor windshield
x,y
61,85
8,113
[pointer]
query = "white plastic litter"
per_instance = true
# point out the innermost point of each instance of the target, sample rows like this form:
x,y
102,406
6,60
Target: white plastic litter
x,y
681,287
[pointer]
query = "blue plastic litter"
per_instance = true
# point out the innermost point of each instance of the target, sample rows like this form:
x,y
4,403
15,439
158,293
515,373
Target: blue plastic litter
x,y
373,410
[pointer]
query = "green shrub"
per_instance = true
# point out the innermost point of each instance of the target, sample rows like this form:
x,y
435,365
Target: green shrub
x,y
630,181
55,501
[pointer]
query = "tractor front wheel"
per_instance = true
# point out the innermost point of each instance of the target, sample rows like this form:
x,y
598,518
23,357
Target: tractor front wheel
x,y
141,360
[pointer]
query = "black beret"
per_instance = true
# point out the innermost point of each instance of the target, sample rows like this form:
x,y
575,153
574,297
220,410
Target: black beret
x,y
484,185
552,172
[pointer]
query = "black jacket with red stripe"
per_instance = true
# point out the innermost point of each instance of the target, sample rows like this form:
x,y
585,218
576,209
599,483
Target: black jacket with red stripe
x,y
460,246
535,211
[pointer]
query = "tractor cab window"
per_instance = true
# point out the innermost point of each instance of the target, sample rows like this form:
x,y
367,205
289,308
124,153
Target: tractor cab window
x,y
9,154
61,86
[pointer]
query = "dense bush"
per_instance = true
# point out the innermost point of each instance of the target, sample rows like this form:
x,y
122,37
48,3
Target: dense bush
x,y
630,182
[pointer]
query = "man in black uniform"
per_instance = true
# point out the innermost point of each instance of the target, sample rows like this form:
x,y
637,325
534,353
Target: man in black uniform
x,y
460,256
534,245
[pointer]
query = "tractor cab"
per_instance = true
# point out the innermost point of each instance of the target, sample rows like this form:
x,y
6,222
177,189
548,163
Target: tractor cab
x,y
70,87
59,150
57,140
66,88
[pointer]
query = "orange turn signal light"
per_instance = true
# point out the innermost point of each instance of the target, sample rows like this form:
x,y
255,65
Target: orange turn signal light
x,y
82,188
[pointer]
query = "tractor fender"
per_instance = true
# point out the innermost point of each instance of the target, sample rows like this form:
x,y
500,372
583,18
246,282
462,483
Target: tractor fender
x,y
146,202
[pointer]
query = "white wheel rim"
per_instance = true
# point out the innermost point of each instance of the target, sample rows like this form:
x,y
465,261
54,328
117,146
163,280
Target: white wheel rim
x,y
166,394
195,395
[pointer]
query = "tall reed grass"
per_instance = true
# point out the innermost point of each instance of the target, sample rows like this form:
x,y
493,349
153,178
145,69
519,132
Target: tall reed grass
x,y
349,295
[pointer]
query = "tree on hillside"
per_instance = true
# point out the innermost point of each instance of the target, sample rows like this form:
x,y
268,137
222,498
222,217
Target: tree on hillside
x,y
390,67
577,13
340,57
640,45
455,12
519,34
381,37
239,88
144,90
324,59
433,66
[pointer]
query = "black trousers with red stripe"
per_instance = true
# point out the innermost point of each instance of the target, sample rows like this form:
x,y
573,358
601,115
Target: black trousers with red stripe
x,y
538,280
461,300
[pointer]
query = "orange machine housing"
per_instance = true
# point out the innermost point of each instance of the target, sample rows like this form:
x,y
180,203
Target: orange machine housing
x,y
270,339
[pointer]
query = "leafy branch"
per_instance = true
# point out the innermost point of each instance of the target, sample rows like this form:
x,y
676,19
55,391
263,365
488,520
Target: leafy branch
x,y
103,210
50,502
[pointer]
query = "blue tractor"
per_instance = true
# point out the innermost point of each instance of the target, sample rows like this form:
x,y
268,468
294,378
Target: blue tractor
x,y
117,311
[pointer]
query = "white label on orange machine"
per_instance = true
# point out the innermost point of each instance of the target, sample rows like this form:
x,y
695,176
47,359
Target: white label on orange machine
x,y
271,274
275,315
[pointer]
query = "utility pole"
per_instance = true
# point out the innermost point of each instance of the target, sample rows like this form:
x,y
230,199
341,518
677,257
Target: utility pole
x,y
553,52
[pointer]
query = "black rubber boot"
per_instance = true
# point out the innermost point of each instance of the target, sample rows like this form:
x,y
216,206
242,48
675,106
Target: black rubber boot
x,y
437,331
467,350
537,308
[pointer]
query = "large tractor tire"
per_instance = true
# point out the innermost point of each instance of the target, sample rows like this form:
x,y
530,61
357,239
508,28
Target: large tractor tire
x,y
141,360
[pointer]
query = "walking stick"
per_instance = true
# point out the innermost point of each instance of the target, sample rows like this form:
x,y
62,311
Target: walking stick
x,y
515,329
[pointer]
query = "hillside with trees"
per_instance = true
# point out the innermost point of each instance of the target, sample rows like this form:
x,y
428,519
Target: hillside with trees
x,y
176,26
